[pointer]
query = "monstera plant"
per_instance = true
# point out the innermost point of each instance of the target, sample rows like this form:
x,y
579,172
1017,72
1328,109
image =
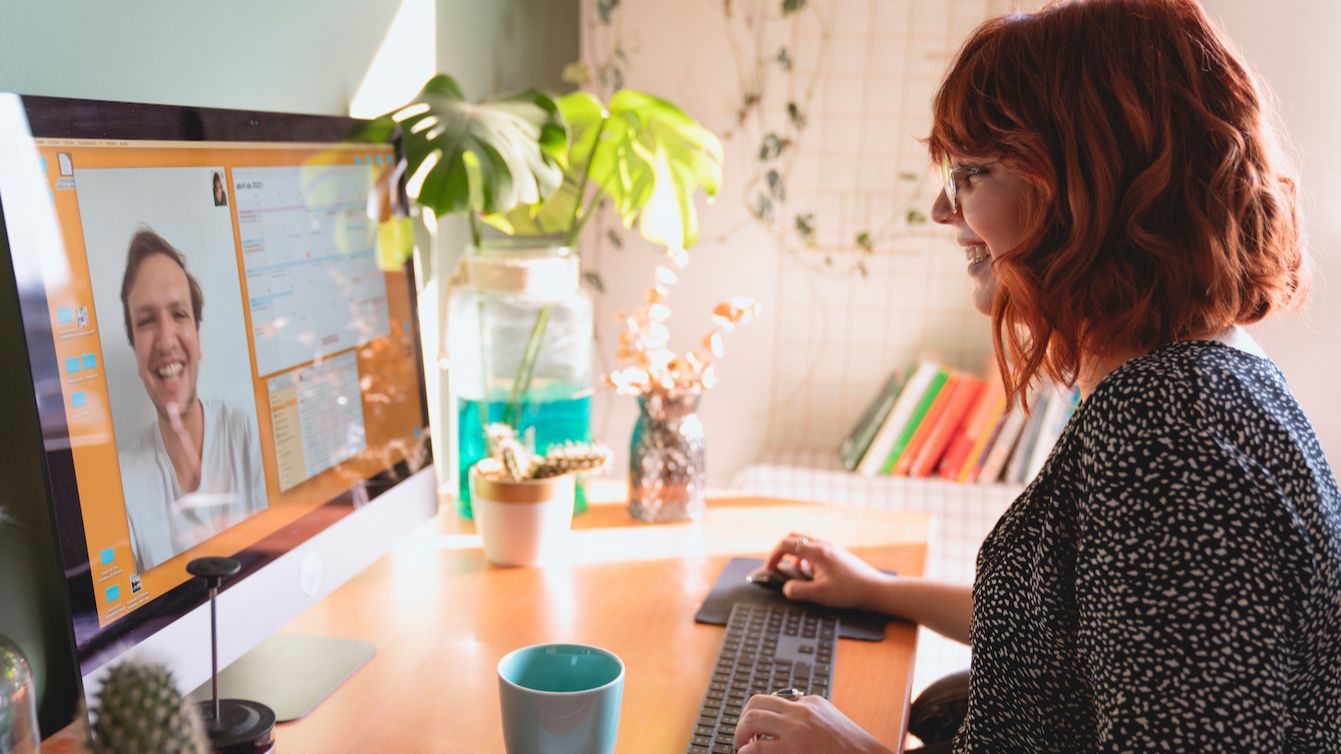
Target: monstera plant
x,y
535,166
538,168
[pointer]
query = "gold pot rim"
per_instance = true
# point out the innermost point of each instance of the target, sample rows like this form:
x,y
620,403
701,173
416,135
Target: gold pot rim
x,y
485,482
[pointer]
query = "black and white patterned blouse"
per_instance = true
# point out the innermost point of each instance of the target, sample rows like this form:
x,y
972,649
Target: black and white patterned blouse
x,y
1171,580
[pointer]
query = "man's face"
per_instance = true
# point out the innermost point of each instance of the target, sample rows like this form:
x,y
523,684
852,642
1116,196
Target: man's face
x,y
167,337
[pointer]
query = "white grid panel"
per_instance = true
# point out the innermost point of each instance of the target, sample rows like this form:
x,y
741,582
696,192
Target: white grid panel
x,y
840,334
962,516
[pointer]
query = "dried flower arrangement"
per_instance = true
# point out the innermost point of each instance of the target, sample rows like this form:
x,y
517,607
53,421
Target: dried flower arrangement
x,y
643,343
518,464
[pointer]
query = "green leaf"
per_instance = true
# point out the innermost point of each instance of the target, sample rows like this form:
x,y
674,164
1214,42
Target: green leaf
x,y
914,217
784,59
640,132
805,227
772,146
792,6
864,241
763,207
604,8
483,157
797,117
775,185
594,280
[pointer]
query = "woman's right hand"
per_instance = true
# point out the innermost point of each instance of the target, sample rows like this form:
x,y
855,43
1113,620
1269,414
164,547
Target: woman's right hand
x,y
837,577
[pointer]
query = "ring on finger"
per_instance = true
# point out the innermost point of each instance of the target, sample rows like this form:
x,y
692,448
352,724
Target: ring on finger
x,y
796,547
791,694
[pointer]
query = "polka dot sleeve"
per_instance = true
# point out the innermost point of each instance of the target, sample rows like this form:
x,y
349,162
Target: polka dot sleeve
x,y
1187,582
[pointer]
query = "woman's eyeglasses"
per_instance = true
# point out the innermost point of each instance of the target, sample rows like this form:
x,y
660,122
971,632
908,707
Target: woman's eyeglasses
x,y
949,180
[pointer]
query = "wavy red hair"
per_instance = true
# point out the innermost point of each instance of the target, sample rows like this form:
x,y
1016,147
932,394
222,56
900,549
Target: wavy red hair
x,y
1159,207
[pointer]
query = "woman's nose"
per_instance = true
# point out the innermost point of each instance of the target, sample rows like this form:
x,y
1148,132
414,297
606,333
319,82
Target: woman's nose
x,y
941,211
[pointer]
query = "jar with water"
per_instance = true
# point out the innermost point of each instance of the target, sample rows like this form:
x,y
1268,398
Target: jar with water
x,y
519,351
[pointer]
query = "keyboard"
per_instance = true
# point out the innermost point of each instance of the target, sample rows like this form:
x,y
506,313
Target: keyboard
x,y
766,648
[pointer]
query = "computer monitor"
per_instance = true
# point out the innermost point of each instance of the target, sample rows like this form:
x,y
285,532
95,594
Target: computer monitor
x,y
219,362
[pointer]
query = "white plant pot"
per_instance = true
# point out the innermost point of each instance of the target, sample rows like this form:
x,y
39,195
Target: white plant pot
x,y
521,523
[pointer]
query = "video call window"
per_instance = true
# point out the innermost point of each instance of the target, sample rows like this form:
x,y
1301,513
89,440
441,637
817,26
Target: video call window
x,y
234,355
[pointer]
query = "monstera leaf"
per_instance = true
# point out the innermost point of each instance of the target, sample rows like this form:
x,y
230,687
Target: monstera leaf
x,y
643,132
484,157
640,149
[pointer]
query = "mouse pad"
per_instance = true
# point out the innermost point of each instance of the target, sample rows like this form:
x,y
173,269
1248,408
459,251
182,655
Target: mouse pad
x,y
731,587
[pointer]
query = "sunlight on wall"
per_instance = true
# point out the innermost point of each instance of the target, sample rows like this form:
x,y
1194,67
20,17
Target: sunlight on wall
x,y
405,60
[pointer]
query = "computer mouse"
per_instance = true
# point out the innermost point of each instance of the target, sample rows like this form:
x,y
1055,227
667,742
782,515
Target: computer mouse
x,y
774,578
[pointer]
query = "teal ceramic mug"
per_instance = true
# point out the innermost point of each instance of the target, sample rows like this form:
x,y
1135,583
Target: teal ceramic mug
x,y
560,699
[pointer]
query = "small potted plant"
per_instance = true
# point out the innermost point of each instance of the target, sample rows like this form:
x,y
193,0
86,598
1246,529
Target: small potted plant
x,y
523,501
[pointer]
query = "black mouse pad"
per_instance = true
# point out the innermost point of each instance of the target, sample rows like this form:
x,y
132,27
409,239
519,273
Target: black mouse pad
x,y
731,587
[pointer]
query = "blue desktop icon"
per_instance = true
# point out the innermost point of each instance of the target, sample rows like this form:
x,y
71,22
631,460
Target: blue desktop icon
x,y
64,315
43,160
90,361
113,593
78,399
107,556
71,364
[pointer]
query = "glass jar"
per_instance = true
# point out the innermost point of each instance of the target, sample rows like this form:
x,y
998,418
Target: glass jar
x,y
519,349
18,704
667,473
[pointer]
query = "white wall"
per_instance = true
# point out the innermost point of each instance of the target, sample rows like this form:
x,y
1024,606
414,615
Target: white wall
x,y
1295,53
802,375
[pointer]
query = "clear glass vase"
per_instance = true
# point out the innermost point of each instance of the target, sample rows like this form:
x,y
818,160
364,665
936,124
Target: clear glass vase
x,y
18,704
666,459
520,351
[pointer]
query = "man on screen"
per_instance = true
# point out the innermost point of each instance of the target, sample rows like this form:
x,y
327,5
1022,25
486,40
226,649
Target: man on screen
x,y
194,470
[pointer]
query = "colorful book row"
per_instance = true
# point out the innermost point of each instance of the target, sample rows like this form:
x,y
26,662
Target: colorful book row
x,y
933,420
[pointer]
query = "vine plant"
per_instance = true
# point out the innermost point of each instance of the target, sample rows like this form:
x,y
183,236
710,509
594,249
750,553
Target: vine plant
x,y
763,64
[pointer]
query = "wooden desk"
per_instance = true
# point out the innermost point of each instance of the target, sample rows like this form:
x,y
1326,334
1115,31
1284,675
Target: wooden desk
x,y
441,618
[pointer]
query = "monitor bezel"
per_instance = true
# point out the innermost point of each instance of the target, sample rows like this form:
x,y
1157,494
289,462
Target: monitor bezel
x,y
68,118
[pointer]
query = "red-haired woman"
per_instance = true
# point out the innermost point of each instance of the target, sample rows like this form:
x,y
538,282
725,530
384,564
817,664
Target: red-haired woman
x,y
1171,580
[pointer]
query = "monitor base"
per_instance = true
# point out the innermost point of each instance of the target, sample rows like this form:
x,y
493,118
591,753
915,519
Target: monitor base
x,y
290,673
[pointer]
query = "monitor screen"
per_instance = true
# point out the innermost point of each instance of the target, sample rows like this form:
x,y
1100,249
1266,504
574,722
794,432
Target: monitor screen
x,y
238,367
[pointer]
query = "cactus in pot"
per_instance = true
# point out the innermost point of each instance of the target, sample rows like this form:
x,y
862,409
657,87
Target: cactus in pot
x,y
140,710
518,465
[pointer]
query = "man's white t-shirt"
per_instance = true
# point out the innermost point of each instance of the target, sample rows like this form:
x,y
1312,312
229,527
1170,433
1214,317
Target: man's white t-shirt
x,y
164,521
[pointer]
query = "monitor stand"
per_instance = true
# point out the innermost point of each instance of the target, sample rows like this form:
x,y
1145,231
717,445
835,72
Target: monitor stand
x,y
290,673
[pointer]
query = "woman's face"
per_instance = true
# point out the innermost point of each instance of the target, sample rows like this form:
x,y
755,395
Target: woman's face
x,y
989,219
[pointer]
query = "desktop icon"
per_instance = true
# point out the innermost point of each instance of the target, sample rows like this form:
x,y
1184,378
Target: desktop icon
x,y
78,399
67,165
135,584
113,593
90,361
64,315
107,556
81,317
43,160
71,364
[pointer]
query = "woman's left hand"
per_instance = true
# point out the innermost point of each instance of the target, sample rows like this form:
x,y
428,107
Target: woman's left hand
x,y
773,725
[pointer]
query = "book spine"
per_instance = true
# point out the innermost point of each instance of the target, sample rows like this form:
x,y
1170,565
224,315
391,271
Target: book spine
x,y
927,427
1028,437
919,412
1002,447
859,439
992,405
974,463
898,416
955,416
